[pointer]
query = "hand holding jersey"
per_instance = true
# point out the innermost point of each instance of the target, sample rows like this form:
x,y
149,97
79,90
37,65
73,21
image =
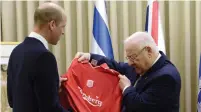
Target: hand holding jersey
x,y
124,82
91,89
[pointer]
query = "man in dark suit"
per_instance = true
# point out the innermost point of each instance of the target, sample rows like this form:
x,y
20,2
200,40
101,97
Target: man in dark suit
x,y
33,80
157,85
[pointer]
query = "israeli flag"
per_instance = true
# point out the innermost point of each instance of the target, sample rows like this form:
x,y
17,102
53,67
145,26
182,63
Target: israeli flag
x,y
101,41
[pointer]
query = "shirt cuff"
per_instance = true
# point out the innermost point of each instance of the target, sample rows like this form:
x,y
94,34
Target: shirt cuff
x,y
125,88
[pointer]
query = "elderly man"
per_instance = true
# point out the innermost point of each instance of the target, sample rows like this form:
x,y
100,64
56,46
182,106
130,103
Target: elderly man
x,y
158,84
33,79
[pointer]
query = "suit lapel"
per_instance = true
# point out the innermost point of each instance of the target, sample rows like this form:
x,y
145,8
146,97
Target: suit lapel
x,y
150,74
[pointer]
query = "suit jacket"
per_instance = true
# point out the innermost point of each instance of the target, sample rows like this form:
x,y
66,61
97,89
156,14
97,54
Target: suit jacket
x,y
158,90
33,80
121,67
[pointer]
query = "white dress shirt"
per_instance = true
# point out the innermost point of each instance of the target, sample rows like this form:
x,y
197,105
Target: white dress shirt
x,y
159,55
40,38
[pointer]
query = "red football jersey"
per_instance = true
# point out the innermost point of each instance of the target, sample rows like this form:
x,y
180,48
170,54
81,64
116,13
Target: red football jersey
x,y
92,89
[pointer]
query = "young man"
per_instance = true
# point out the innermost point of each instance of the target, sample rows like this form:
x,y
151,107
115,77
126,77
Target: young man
x,y
33,79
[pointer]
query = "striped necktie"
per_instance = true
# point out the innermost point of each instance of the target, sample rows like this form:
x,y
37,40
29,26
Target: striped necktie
x,y
137,81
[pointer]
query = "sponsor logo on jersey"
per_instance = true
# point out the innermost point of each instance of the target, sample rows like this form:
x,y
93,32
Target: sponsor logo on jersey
x,y
90,100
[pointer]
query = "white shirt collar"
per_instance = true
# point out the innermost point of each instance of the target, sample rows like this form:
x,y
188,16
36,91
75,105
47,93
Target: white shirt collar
x,y
159,55
39,37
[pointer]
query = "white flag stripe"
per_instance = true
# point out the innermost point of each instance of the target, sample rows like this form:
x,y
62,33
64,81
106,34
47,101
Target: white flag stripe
x,y
95,48
161,41
100,5
150,3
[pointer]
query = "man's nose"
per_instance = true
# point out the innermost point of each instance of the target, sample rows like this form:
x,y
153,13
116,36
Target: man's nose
x,y
62,31
130,63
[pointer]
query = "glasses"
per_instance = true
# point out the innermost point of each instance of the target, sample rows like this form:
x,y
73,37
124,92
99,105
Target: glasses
x,y
132,57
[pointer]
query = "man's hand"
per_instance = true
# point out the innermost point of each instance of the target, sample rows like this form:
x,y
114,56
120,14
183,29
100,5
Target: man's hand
x,y
82,56
124,82
61,80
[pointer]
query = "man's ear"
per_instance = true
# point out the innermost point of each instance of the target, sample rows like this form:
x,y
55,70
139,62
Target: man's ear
x,y
148,48
52,25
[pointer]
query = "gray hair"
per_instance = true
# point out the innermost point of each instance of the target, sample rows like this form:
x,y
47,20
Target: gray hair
x,y
142,39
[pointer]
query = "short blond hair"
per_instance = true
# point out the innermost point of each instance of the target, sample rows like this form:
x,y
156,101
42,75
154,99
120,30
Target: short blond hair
x,y
47,12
